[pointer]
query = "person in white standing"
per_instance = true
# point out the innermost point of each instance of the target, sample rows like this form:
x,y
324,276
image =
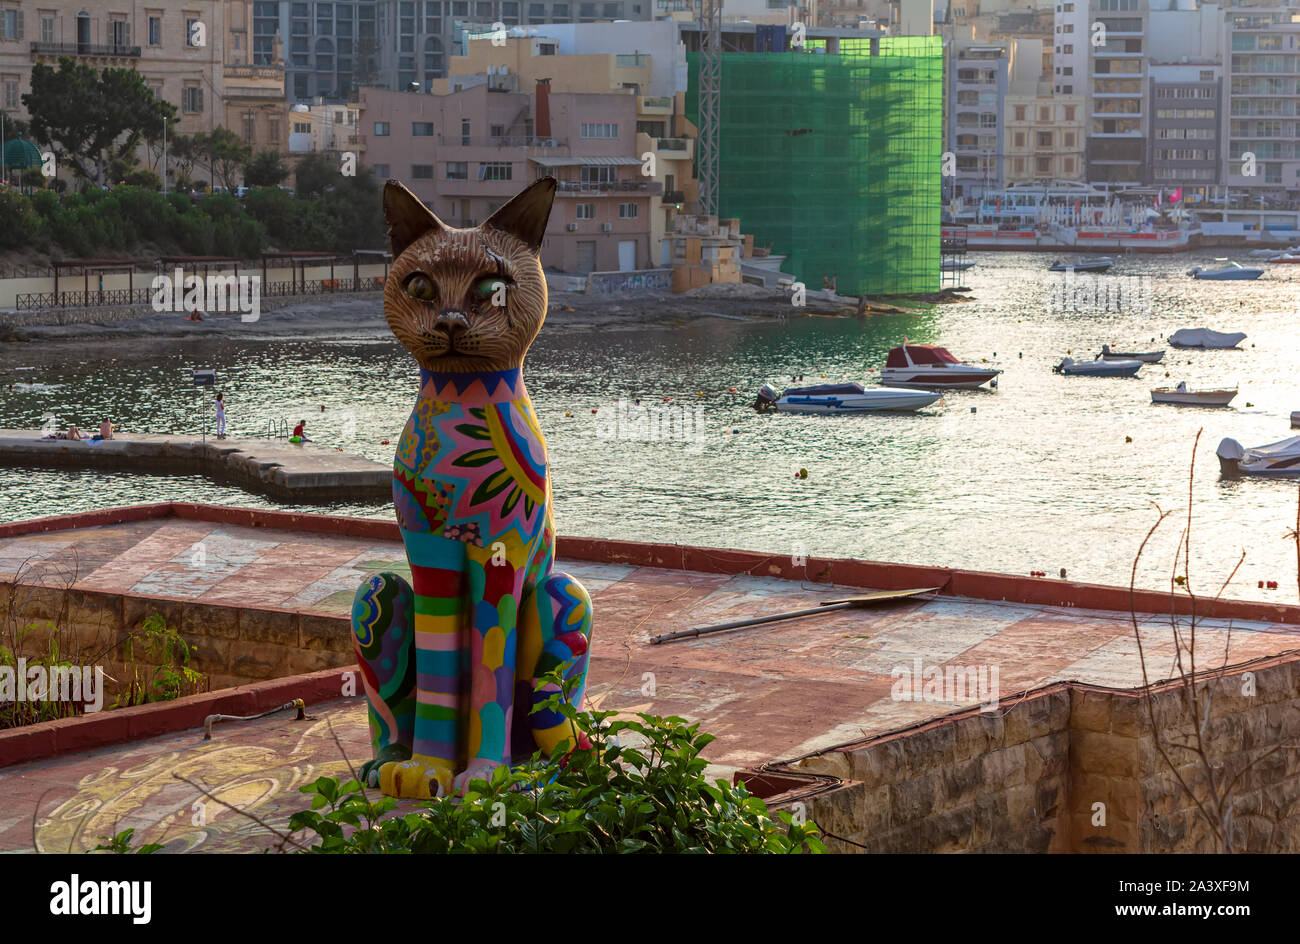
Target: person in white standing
x,y
221,416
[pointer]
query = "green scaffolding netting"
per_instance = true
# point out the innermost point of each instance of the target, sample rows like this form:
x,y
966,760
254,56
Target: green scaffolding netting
x,y
834,160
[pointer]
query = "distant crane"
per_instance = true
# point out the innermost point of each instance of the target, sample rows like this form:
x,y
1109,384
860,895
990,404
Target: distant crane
x,y
710,95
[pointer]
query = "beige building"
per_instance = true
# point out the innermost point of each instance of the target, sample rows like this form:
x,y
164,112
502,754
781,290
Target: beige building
x,y
664,139
1043,137
195,55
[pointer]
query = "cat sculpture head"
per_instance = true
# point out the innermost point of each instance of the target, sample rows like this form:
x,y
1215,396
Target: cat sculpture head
x,y
467,299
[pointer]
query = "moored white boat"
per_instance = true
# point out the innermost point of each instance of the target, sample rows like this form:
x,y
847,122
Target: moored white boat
x,y
1205,338
1098,368
953,265
1183,396
1148,357
841,398
928,367
1279,458
1086,264
1226,271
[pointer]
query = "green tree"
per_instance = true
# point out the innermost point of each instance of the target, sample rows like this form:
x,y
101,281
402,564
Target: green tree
x,y
266,169
226,153
92,118
316,174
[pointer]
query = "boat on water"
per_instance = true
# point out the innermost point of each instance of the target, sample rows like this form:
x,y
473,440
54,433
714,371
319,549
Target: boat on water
x,y
1098,368
928,367
1205,338
1279,458
841,398
1086,264
953,265
1285,257
1226,271
1146,357
1182,396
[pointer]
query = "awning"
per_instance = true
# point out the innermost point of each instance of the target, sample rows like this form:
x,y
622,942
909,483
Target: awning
x,y
585,161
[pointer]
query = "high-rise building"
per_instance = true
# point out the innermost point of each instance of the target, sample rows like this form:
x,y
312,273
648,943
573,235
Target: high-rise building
x,y
1261,120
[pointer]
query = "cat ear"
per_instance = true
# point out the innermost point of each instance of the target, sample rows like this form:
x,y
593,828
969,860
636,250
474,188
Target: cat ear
x,y
526,214
408,218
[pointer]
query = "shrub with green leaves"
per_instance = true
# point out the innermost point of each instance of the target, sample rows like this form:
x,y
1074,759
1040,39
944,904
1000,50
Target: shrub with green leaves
x,y
640,788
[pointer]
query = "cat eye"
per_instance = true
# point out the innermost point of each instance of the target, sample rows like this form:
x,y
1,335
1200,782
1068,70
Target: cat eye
x,y
486,287
421,286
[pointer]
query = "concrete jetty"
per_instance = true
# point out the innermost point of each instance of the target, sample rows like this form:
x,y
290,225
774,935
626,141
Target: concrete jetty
x,y
284,470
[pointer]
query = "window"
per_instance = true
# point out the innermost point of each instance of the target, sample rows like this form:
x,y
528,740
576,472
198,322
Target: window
x,y
537,11
47,29
192,99
627,211
119,33
273,128
1044,139
1069,139
1045,113
1207,75
11,93
457,170
599,129
1069,113
1068,50
421,129
302,127
190,32
381,129
13,24
586,211
464,131
1068,164
382,171
1043,165
598,175
1020,113
155,31
497,131
422,172
495,170
1020,139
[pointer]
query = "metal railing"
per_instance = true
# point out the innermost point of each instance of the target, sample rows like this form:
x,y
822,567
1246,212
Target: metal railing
x,y
26,301
277,429
569,187
84,49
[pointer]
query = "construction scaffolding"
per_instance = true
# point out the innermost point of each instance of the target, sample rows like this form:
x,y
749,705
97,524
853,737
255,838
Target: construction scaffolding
x,y
834,158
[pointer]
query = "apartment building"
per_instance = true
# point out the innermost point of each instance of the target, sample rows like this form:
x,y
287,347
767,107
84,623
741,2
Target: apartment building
x,y
467,152
331,48
599,58
1260,122
979,79
1186,103
1044,138
197,58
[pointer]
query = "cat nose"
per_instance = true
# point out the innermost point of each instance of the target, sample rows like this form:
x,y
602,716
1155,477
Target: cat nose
x,y
451,322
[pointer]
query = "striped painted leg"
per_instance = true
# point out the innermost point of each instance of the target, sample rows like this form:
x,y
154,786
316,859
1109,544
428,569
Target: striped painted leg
x,y
554,631
383,612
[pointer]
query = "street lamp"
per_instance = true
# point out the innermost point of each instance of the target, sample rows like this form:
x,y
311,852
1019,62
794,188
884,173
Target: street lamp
x,y
164,174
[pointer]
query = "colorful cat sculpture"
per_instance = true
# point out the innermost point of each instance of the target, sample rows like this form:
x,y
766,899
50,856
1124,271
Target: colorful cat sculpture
x,y
452,661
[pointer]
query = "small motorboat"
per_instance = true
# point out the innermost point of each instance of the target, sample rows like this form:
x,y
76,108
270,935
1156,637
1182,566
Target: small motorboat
x,y
1226,271
928,367
1205,338
1185,397
1149,357
1098,368
1086,264
841,398
952,265
1285,257
1279,458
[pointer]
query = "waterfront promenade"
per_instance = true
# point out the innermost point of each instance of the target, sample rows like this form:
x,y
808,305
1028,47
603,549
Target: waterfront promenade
x,y
291,471
812,704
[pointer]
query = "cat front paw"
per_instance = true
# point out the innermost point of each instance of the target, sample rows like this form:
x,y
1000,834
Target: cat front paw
x,y
478,769
420,778
369,772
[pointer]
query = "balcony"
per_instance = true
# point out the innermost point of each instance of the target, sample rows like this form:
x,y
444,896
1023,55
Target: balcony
x,y
237,91
615,188
501,141
674,196
654,105
253,72
112,51
675,149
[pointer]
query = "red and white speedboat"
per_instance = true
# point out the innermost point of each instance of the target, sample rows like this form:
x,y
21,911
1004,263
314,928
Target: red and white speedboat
x,y
929,367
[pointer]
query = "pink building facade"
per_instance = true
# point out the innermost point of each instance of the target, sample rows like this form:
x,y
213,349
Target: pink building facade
x,y
466,153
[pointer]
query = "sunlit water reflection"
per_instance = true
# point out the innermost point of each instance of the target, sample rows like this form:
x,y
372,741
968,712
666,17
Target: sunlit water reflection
x,y
1037,475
